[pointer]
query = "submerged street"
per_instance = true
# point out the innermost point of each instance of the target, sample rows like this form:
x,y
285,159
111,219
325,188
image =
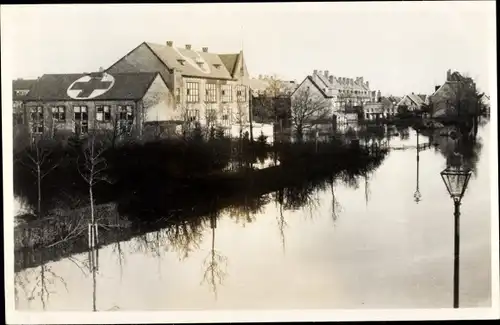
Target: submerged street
x,y
363,244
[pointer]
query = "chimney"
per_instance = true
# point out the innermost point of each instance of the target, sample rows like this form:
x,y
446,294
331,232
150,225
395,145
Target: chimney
x,y
188,46
448,75
315,72
170,43
326,73
205,49
330,78
361,80
368,85
260,76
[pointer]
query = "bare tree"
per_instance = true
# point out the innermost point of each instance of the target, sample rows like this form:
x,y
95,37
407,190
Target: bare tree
x,y
39,161
240,117
268,103
210,119
92,170
308,109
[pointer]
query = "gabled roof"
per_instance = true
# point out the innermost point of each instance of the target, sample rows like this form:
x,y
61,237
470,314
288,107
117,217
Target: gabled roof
x,y
315,85
229,61
186,61
324,80
22,84
414,98
127,86
260,85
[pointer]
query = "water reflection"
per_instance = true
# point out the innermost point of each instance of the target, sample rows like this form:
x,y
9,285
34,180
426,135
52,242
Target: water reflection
x,y
215,263
368,261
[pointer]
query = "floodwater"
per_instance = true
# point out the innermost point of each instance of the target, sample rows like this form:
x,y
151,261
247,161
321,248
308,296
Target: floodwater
x,y
364,245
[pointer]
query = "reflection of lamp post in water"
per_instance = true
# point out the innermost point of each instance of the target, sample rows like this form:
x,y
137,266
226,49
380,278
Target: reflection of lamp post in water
x,y
417,196
456,180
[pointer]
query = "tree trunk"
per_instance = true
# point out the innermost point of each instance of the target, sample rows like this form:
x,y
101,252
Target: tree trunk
x,y
39,181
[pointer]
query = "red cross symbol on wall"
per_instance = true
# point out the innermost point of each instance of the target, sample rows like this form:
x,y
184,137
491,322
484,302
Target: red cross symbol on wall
x,y
88,87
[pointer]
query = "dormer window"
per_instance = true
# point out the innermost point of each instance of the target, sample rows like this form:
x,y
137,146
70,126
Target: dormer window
x,y
181,61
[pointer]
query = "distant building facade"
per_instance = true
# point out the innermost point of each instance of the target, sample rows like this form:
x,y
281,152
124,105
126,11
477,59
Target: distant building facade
x,y
412,102
271,100
383,109
339,117
206,87
20,88
445,97
346,92
74,104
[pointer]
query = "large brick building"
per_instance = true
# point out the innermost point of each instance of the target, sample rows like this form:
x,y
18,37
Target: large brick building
x,y
65,104
345,92
20,88
457,89
205,87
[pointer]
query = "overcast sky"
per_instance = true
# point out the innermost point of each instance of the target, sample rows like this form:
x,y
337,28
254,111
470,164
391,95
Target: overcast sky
x,y
399,47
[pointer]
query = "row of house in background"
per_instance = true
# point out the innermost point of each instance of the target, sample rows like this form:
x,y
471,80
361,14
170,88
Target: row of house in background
x,y
344,97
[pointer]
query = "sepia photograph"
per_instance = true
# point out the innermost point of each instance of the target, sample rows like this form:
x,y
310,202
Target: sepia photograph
x,y
250,162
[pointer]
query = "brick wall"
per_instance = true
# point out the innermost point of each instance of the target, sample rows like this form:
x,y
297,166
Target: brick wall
x,y
66,127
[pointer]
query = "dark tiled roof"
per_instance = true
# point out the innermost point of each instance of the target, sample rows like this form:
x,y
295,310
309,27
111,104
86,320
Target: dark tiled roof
x,y
315,85
127,86
229,61
22,84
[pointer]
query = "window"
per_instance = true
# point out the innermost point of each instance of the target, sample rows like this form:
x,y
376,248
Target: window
x,y
211,115
103,113
126,113
177,95
81,125
225,118
193,115
241,93
211,93
193,92
18,118
226,94
59,113
125,118
37,119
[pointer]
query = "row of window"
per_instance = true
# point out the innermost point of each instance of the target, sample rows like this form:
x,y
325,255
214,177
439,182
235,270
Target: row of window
x,y
80,116
194,115
226,94
356,92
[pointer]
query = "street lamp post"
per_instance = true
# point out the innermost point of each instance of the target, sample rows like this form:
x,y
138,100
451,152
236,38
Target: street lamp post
x,y
417,196
456,180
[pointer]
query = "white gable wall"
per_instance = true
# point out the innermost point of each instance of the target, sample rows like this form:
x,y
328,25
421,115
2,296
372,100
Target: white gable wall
x,y
158,103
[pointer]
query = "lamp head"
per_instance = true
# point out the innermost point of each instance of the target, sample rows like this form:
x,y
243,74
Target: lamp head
x,y
456,180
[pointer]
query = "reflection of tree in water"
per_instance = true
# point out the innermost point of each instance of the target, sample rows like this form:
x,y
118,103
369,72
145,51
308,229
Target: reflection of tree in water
x,y
280,218
462,151
336,207
215,263
42,279
244,210
183,237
